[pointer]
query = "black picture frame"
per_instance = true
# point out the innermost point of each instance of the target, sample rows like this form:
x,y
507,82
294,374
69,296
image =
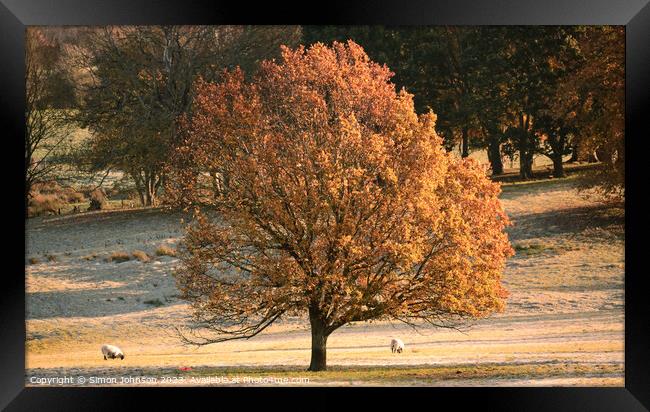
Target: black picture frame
x,y
16,15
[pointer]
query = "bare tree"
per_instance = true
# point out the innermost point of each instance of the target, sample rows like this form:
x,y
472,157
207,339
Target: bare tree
x,y
141,80
47,127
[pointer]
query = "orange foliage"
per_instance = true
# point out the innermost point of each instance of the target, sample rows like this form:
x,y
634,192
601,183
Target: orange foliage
x,y
334,199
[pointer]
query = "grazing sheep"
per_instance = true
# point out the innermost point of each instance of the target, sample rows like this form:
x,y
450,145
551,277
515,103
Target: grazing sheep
x,y
110,351
396,345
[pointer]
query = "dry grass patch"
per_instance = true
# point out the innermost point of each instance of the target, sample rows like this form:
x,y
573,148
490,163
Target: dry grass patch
x,y
164,250
118,257
532,248
141,255
422,373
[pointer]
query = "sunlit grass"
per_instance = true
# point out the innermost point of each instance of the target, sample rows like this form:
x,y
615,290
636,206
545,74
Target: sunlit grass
x,y
420,373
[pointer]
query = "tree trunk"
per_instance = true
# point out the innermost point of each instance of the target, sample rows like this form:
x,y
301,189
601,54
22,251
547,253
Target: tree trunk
x,y
137,178
151,191
27,190
525,165
318,342
465,143
525,148
574,154
558,167
29,177
525,157
147,187
494,155
603,155
150,197
143,202
216,185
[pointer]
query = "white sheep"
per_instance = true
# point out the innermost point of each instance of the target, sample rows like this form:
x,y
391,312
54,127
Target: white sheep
x,y
396,345
111,351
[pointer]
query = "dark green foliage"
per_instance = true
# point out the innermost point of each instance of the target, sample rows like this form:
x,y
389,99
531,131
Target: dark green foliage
x,y
517,91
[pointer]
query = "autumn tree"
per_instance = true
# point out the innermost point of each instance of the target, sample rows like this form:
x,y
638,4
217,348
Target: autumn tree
x,y
456,71
342,205
556,123
489,79
538,59
47,124
600,83
527,59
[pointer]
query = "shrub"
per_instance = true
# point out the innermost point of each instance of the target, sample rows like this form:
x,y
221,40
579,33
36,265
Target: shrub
x,y
98,200
51,258
164,250
33,261
75,197
50,197
42,203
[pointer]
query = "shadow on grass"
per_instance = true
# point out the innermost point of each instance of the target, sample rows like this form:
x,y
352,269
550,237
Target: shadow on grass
x,y
598,221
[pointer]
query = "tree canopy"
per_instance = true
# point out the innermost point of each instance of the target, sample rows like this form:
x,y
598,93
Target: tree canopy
x,y
142,80
47,124
340,203
517,91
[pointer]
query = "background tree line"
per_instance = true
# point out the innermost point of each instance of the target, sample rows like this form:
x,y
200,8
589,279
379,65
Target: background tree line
x,y
513,91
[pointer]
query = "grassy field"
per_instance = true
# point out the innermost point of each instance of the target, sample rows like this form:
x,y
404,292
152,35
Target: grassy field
x,y
564,323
